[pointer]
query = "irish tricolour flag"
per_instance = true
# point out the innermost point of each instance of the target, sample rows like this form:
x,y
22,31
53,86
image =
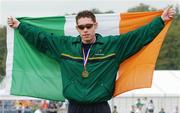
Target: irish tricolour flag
x,y
33,74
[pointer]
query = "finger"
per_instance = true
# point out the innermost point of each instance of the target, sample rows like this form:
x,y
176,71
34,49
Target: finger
x,y
171,13
10,18
166,10
171,16
171,10
10,23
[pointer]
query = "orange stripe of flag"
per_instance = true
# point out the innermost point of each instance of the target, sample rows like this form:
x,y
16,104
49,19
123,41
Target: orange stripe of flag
x,y
137,71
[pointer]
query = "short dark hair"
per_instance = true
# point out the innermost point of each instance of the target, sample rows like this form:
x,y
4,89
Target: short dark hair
x,y
85,13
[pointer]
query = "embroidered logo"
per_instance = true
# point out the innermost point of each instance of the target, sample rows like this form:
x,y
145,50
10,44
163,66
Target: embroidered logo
x,y
99,53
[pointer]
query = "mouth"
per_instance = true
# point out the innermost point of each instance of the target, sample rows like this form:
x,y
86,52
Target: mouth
x,y
85,35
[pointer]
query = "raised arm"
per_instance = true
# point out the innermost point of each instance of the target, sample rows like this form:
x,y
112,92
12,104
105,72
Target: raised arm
x,y
131,42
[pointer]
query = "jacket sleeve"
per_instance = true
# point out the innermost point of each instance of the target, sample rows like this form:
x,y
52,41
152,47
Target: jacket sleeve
x,y
131,42
43,41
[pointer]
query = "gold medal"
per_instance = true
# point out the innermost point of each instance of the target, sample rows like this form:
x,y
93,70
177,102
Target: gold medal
x,y
85,74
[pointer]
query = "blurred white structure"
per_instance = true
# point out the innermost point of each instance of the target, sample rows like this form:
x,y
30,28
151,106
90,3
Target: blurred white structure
x,y
165,93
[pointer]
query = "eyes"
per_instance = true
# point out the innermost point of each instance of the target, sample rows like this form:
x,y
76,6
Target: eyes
x,y
82,27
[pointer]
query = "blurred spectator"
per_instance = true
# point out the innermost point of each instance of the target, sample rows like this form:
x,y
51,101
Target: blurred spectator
x,y
34,106
39,109
52,108
1,105
176,110
139,103
59,104
162,110
19,110
132,109
150,107
115,109
44,105
138,109
139,106
27,109
16,104
59,107
66,103
145,105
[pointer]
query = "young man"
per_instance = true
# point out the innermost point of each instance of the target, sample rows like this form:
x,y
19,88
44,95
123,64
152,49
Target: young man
x,y
88,78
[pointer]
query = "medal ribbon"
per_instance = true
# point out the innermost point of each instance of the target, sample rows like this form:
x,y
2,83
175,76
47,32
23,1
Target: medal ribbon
x,y
85,57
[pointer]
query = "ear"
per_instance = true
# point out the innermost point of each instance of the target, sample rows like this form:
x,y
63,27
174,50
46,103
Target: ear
x,y
77,29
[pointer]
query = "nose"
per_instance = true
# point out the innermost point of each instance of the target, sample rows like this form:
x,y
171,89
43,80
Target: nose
x,y
85,29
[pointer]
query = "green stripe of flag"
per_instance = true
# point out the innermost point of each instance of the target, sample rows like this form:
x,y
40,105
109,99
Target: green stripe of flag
x,y
35,74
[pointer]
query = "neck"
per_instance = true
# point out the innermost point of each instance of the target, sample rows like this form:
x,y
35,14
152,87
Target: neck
x,y
90,41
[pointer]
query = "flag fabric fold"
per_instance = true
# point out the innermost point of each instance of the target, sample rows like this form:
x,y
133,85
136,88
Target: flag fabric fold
x,y
33,74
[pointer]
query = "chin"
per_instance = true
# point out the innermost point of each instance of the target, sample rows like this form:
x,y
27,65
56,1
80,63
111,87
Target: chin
x,y
87,39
